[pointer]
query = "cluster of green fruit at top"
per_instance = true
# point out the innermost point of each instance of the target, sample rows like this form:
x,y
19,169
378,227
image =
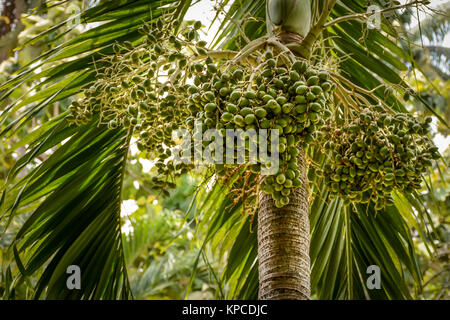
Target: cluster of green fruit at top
x,y
138,87
293,99
375,153
171,82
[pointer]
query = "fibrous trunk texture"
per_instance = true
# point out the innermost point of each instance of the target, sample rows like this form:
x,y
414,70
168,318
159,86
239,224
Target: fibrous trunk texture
x,y
283,244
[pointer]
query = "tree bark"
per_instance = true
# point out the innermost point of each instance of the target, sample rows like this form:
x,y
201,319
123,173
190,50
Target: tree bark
x,y
283,244
10,26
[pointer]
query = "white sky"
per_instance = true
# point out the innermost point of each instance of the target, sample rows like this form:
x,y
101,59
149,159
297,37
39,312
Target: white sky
x,y
422,15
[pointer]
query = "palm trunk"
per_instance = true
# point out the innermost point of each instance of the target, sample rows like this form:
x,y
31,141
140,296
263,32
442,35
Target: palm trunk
x,y
283,244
